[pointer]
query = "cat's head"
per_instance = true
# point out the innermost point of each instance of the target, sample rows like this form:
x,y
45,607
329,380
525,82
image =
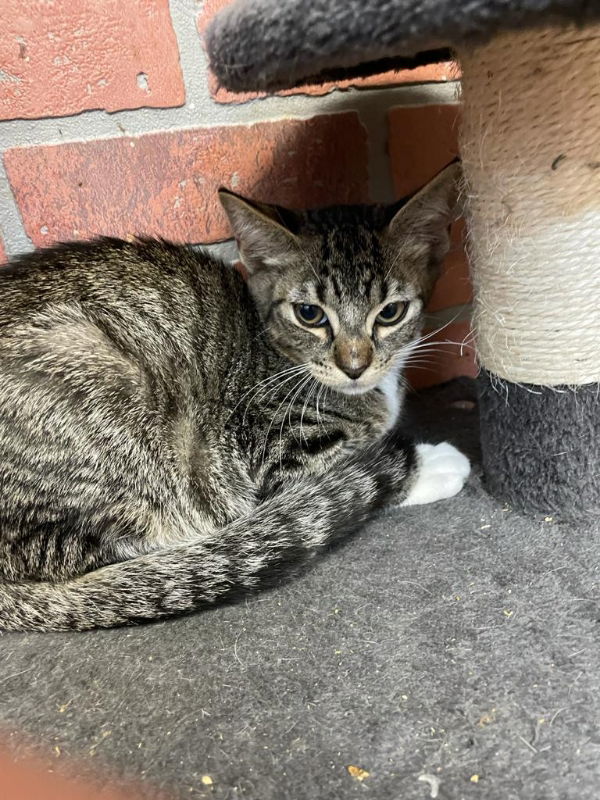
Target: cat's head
x,y
342,289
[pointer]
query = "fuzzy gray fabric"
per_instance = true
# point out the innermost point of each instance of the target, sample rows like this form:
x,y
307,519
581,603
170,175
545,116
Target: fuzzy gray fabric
x,y
538,445
458,641
278,44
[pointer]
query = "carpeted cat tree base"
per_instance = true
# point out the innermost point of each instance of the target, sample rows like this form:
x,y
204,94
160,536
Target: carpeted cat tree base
x,y
531,155
538,448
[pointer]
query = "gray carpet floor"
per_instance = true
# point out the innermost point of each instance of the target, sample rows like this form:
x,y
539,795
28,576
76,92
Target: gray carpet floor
x,y
449,650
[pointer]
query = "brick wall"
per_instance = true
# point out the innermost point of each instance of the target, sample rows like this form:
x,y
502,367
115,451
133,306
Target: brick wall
x,y
111,123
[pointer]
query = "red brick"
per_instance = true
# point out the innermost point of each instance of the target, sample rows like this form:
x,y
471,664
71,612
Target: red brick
x,y
165,183
447,71
3,255
63,58
422,140
454,360
454,284
433,72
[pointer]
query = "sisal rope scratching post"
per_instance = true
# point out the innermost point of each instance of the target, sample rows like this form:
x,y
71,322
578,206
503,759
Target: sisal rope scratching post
x,y
530,146
531,157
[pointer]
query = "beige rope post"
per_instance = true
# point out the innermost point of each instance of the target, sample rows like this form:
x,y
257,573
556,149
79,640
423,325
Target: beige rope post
x,y
531,154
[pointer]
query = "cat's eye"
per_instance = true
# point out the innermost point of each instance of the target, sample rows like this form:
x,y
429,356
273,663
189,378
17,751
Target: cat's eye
x,y
310,315
391,314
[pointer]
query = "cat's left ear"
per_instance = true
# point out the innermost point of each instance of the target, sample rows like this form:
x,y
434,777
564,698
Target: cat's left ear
x,y
423,222
264,233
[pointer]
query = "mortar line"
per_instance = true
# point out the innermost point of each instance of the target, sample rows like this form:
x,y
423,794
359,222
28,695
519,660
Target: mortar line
x,y
93,125
11,224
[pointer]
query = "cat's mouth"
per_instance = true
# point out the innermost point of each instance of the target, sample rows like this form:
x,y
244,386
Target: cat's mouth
x,y
351,386
373,378
340,382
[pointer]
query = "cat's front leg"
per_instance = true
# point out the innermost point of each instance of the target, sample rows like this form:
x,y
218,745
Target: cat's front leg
x,y
440,472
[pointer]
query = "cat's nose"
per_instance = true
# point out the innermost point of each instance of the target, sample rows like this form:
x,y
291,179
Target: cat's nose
x,y
353,356
355,372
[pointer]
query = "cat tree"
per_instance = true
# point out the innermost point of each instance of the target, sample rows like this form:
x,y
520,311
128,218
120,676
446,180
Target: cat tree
x,y
530,146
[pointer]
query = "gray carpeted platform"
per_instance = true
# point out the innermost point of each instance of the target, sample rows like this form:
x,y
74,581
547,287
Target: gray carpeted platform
x,y
268,45
459,640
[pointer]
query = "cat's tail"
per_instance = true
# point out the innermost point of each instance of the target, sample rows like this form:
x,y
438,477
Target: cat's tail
x,y
285,529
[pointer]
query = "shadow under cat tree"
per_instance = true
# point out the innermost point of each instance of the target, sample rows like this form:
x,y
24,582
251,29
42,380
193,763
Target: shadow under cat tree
x,y
447,650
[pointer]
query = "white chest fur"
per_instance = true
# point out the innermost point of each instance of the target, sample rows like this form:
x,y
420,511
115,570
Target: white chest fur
x,y
393,394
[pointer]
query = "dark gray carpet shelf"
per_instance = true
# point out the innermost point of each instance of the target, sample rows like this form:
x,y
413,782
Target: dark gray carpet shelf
x,y
458,641
268,45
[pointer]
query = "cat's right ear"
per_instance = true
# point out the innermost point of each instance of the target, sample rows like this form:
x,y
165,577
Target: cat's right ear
x,y
262,232
424,220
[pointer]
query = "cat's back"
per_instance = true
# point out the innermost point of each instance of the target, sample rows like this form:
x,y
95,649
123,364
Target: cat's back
x,y
104,273
135,292
129,319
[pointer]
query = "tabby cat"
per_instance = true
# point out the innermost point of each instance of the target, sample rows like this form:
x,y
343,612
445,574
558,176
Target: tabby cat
x,y
172,434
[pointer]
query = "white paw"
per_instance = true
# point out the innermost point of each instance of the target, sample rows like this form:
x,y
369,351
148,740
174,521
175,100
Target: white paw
x,y
442,473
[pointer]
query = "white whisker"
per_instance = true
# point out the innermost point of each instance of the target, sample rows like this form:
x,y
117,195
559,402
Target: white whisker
x,y
309,394
264,453
288,412
262,385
